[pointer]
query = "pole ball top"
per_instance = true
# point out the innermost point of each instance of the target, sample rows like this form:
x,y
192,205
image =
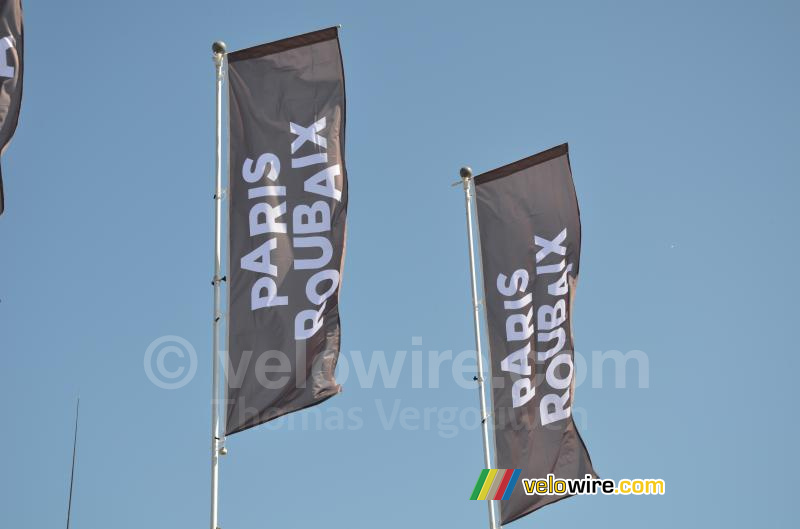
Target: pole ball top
x,y
466,172
218,47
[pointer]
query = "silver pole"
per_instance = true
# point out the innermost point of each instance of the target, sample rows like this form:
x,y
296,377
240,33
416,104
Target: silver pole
x,y
466,177
72,473
219,56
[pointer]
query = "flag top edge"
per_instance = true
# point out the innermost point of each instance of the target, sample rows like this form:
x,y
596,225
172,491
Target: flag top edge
x,y
284,44
519,165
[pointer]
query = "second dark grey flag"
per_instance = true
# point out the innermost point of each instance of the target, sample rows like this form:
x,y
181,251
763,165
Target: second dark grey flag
x,y
11,47
288,209
530,236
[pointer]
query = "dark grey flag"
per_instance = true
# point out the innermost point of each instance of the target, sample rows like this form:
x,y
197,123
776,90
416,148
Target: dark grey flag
x,y
288,209
10,75
530,236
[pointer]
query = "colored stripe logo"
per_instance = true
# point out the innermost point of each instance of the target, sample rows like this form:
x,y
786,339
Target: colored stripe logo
x,y
495,484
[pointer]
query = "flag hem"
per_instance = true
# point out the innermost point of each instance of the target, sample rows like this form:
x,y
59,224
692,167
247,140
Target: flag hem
x,y
284,44
525,163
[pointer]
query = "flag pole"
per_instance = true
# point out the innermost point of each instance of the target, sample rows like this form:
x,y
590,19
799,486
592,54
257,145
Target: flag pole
x,y
466,177
216,443
72,472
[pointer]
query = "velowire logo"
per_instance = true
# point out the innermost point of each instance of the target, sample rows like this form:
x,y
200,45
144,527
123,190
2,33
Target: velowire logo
x,y
495,484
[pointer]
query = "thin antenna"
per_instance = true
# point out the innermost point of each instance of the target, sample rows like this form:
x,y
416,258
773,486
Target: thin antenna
x,y
74,452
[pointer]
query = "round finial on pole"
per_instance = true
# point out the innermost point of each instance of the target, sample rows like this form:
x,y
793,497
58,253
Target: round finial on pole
x,y
466,172
218,48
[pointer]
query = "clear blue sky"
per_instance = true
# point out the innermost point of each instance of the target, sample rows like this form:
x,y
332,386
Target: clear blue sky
x,y
682,119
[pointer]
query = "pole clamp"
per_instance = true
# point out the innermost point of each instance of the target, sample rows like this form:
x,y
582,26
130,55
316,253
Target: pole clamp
x,y
217,280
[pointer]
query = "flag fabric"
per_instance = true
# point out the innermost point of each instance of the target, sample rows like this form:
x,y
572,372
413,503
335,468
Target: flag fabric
x,y
530,238
11,46
288,209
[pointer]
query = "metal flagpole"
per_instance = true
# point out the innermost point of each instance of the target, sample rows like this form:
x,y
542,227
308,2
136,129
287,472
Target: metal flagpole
x,y
216,445
72,473
466,177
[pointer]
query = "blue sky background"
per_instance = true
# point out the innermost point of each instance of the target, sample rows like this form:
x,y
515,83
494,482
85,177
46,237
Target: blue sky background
x,y
682,119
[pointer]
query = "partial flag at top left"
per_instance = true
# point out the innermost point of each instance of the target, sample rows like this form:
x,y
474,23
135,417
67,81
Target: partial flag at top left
x,y
10,75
